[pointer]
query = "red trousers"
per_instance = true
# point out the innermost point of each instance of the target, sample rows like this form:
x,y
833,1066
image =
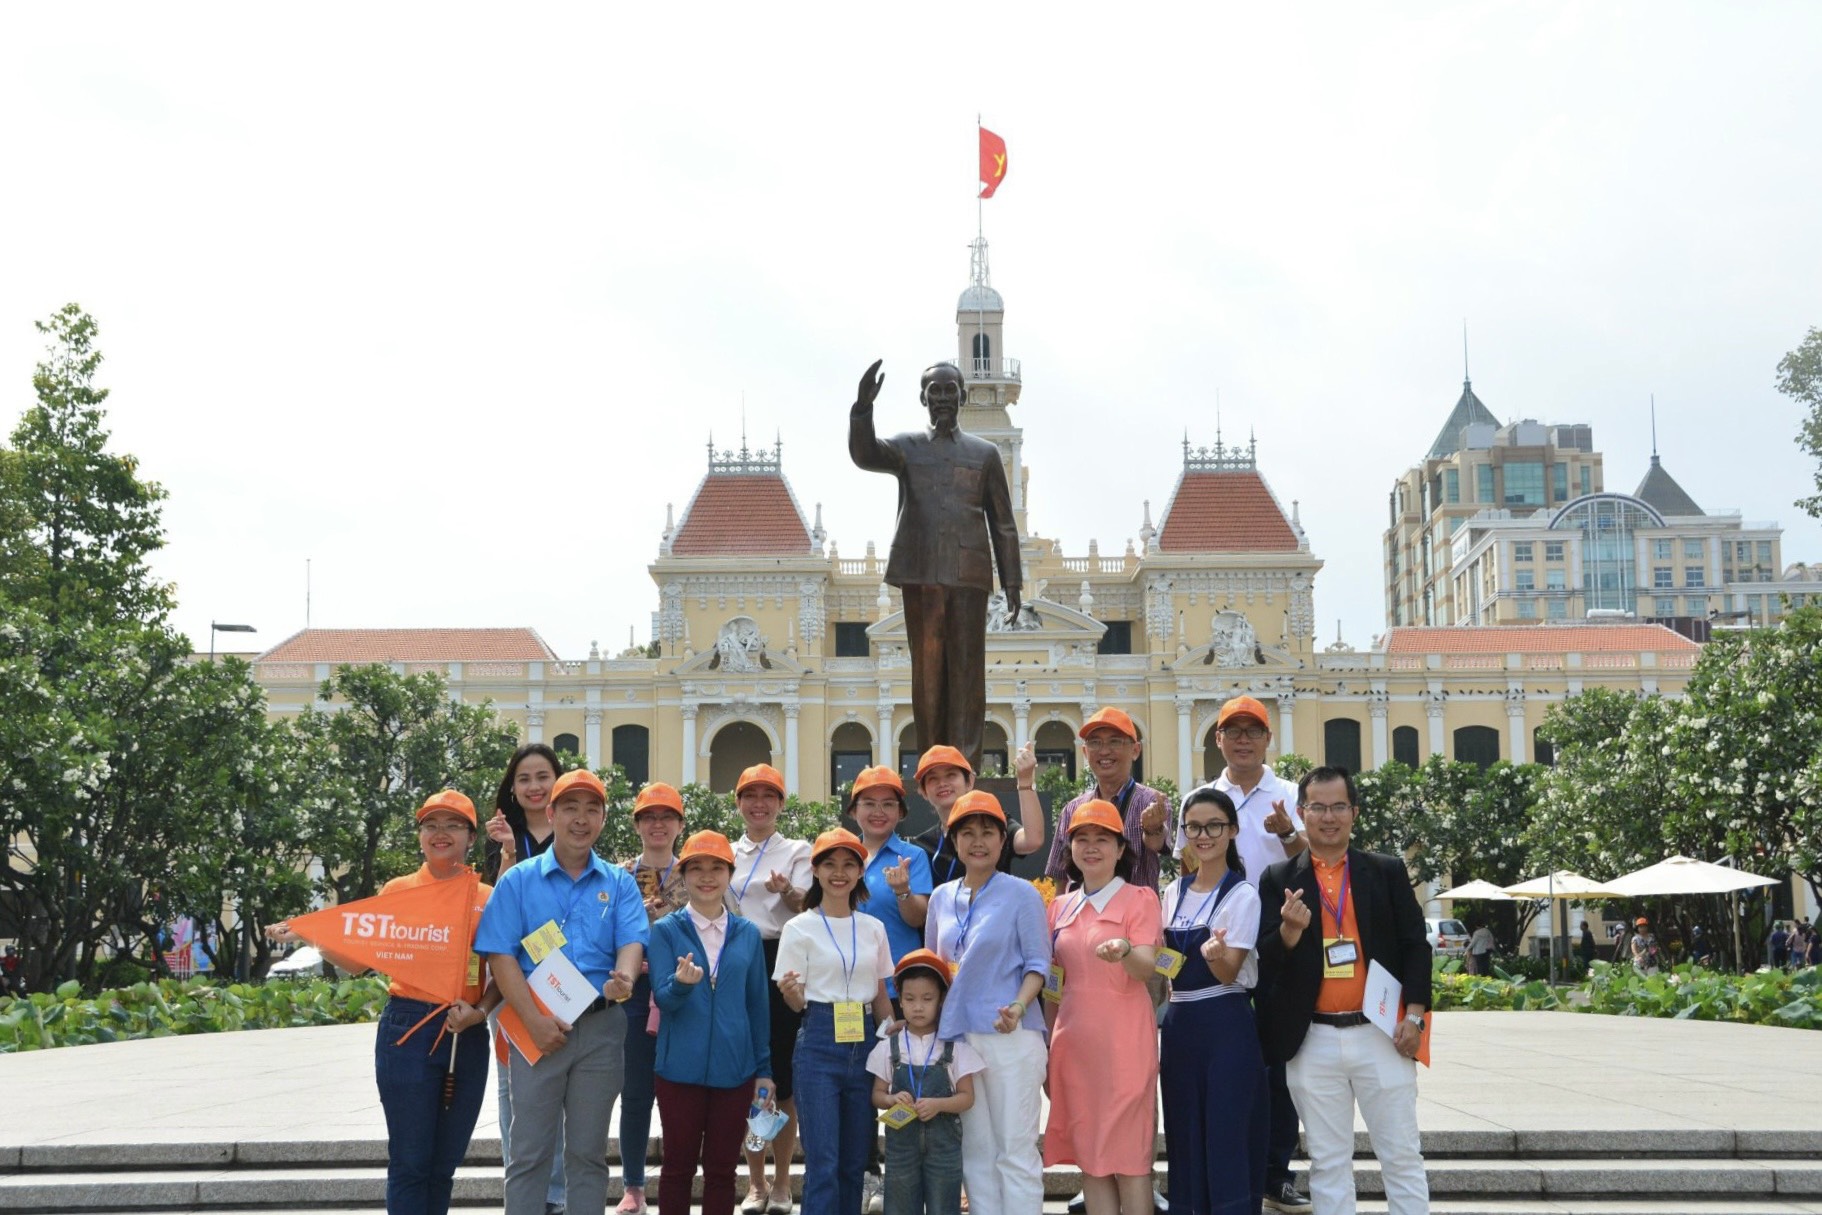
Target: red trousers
x,y
702,1127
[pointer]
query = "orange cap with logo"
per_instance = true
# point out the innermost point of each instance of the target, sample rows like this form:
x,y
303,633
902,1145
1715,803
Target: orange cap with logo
x,y
658,796
880,777
923,959
452,800
706,845
939,755
1097,813
581,778
760,775
835,839
975,801
1243,706
1112,719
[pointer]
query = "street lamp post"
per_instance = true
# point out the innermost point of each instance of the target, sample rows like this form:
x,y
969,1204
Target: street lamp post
x,y
215,628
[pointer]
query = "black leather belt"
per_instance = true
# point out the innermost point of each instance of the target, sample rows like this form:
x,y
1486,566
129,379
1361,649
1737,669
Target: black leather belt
x,y
1340,1020
599,1004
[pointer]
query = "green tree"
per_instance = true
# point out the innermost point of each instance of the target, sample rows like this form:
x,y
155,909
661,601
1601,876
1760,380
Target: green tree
x,y
369,762
1800,379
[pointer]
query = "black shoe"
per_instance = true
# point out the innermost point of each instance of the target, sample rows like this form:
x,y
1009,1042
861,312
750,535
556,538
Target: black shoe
x,y
1078,1205
1284,1197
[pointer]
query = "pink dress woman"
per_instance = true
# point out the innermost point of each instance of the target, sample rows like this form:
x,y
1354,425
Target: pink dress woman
x,y
1104,1047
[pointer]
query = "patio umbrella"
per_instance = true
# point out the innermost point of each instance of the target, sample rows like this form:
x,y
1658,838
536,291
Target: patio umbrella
x,y
1686,875
1559,886
1476,889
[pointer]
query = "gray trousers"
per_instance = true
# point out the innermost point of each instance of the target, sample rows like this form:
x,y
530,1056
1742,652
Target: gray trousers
x,y
567,1098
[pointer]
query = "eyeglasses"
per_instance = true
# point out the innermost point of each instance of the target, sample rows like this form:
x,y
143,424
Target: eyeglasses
x,y
1206,829
433,828
653,816
1244,733
1318,810
1116,743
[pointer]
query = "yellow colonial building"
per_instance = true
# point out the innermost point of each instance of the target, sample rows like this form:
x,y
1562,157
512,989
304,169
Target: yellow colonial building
x,y
770,645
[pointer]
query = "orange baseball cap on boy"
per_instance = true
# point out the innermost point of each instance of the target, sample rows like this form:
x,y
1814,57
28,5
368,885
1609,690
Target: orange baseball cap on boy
x,y
975,801
581,778
451,800
762,776
939,755
658,796
1243,706
706,846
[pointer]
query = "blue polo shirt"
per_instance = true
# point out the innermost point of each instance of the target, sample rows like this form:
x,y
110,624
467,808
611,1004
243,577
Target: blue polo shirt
x,y
882,904
598,913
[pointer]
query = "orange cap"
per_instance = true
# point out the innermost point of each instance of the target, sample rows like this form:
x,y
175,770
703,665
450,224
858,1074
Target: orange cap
x,y
760,774
975,801
451,800
658,796
1097,813
581,778
709,845
1243,706
835,838
941,754
1113,719
923,959
881,777
1641,922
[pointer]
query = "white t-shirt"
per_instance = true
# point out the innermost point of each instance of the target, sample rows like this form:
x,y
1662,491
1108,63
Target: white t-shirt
x,y
1259,848
916,1050
1238,913
839,957
775,855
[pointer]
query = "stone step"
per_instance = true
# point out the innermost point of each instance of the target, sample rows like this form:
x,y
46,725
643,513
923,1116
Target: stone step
x,y
342,1186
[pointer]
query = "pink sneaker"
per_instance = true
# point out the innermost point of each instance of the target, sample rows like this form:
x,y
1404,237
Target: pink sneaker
x,y
633,1201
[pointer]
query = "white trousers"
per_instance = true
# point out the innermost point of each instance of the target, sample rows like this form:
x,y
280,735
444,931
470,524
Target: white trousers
x,y
1000,1162
1334,1070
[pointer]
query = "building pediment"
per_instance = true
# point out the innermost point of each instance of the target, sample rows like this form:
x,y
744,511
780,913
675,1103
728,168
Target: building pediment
x,y
740,649
1039,620
1234,645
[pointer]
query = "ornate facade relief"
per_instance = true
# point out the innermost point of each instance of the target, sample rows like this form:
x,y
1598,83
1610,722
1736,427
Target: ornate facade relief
x,y
1233,642
740,647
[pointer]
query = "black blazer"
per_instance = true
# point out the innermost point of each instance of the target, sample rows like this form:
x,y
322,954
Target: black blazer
x,y
1391,932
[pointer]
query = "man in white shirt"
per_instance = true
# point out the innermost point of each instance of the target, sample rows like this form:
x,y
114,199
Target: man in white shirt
x,y
1270,831
771,877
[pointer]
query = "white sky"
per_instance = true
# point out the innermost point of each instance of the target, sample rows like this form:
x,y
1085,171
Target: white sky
x,y
448,298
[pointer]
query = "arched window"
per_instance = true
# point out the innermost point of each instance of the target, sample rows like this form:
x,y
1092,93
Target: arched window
x,y
737,746
1055,746
632,750
1477,745
567,744
983,349
996,756
850,750
1404,746
1341,743
1541,749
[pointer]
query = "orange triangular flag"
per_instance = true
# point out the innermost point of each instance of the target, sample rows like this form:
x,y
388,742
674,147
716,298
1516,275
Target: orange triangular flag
x,y
420,936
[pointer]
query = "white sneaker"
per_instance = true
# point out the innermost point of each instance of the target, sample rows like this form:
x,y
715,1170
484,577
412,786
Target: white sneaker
x,y
872,1194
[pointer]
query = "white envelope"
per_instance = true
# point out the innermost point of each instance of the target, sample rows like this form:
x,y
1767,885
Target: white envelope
x,y
561,987
1382,1002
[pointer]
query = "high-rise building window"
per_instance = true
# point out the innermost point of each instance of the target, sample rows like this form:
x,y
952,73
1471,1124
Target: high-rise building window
x,y
1556,580
1524,483
1527,609
1587,479
1521,551
1451,485
1666,605
1660,550
1553,550
1662,577
1697,605
1765,552
1692,548
1692,576
1483,483
1559,482
1524,580
1557,609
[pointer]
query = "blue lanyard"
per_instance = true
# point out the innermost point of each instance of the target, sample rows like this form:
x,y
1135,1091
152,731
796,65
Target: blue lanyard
x,y
914,1072
1336,908
847,964
961,921
1068,918
742,896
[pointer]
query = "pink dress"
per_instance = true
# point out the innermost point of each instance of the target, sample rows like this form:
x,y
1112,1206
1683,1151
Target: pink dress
x,y
1104,1048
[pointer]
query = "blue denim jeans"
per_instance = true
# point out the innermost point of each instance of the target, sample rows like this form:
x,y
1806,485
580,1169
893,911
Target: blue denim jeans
x,y
835,1114
924,1159
424,1141
637,1092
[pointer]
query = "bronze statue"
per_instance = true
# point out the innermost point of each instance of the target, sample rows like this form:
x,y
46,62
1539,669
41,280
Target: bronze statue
x,y
954,525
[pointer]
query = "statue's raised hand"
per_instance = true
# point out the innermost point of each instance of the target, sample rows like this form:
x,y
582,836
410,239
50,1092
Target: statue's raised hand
x,y
869,385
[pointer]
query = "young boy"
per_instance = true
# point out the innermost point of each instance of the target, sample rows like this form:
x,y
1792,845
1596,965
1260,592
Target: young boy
x,y
934,1082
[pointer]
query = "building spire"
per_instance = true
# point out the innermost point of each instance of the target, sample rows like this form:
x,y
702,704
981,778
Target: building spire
x,y
1466,379
1654,428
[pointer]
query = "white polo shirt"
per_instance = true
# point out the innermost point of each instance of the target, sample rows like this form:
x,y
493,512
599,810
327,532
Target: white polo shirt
x,y
1259,848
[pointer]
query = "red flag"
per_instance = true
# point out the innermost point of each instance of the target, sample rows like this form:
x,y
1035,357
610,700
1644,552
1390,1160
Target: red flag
x,y
420,936
993,162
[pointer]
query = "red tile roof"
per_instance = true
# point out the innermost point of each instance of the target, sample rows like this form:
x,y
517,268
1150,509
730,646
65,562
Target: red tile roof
x,y
1537,639
741,514
411,645
1225,512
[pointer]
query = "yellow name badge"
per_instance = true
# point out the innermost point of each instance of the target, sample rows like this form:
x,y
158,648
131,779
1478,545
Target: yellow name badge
x,y
850,1021
898,1117
1339,955
1169,963
542,941
474,969
1053,985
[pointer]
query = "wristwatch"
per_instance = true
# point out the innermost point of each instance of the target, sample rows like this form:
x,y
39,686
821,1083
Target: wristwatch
x,y
1417,1021
1288,836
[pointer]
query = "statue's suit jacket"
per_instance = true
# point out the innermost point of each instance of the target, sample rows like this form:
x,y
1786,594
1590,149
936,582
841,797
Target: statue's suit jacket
x,y
953,502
